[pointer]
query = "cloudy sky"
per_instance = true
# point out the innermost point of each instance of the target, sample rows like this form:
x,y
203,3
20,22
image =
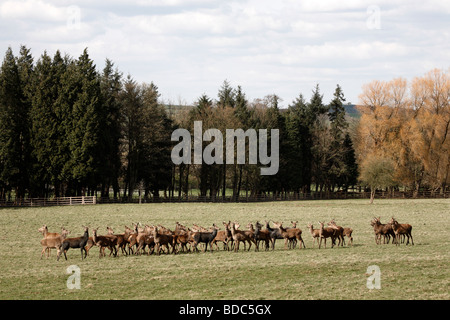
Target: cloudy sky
x,y
189,47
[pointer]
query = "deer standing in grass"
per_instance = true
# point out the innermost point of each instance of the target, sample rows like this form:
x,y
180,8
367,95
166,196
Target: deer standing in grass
x,y
401,229
290,235
315,233
342,231
53,242
239,236
325,233
104,242
78,242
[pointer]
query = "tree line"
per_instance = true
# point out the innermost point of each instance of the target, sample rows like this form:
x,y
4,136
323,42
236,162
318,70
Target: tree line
x,y
67,128
403,134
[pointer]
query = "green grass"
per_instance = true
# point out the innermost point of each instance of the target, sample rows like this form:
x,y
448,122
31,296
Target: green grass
x,y
407,272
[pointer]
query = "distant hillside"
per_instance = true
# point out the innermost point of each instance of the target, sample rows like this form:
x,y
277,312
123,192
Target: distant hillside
x,y
350,109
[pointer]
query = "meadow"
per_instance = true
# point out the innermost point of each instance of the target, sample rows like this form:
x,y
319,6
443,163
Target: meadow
x,y
407,272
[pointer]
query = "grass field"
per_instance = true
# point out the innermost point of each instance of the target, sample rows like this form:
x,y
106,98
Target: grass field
x,y
407,272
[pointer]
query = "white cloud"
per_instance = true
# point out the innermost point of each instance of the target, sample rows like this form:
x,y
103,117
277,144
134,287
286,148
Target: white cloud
x,y
34,10
188,47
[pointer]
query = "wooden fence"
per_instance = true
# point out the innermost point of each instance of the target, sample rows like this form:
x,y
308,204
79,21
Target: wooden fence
x,y
42,202
286,197
86,200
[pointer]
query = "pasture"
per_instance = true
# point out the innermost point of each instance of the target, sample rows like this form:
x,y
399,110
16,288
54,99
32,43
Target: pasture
x,y
407,272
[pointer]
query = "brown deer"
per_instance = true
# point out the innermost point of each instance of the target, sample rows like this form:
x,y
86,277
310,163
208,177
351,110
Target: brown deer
x,y
290,234
401,229
104,242
325,233
53,242
315,233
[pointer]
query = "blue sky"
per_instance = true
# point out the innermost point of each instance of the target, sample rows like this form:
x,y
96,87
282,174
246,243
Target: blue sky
x,y
189,47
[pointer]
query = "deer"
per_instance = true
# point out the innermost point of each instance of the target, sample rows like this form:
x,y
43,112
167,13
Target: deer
x,y
183,239
145,239
78,242
223,236
122,239
274,234
315,233
262,235
339,233
46,234
325,233
381,229
162,240
248,234
239,236
54,241
133,236
206,238
401,229
345,231
104,242
290,234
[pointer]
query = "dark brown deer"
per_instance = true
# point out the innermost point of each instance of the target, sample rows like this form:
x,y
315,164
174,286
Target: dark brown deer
x,y
401,229
78,242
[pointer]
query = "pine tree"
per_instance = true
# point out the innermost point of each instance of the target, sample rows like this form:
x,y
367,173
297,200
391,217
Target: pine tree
x,y
203,112
82,102
111,86
156,168
312,155
13,128
43,125
226,95
297,135
25,68
242,111
336,169
351,167
336,115
131,146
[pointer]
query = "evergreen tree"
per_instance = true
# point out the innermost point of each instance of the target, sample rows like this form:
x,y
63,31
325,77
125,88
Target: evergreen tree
x,y
43,126
156,168
14,133
351,173
336,115
79,109
242,111
314,111
336,168
64,90
111,86
227,96
25,68
244,116
297,135
203,112
131,146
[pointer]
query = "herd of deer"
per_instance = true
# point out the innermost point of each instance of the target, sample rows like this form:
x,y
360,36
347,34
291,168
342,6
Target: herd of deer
x,y
183,239
398,231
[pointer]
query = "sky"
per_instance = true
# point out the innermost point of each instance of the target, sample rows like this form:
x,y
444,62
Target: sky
x,y
189,47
